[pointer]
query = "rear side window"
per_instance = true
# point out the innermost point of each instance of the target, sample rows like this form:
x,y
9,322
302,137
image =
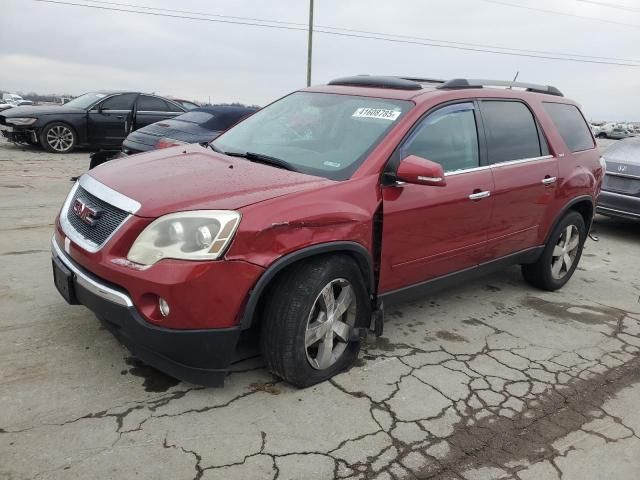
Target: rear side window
x,y
447,136
512,132
571,125
152,104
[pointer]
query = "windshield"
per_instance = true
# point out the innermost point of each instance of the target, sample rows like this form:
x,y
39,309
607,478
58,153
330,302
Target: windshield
x,y
320,134
86,100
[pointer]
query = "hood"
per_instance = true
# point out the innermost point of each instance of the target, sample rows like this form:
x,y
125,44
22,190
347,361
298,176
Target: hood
x,y
38,111
184,131
193,178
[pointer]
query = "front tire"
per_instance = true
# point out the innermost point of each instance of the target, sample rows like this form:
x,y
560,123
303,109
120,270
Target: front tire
x,y
58,137
309,316
561,255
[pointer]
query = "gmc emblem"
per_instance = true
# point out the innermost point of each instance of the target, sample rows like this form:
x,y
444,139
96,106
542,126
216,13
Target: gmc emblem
x,y
87,213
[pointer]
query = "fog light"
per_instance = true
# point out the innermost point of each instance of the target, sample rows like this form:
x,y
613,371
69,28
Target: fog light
x,y
164,307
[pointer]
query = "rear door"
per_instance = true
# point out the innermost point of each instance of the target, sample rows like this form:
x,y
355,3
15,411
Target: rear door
x,y
431,231
107,121
524,172
151,109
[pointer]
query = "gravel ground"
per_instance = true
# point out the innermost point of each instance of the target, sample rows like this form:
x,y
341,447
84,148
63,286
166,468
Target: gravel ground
x,y
491,380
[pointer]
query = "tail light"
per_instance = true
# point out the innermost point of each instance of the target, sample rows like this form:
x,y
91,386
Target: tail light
x,y
168,142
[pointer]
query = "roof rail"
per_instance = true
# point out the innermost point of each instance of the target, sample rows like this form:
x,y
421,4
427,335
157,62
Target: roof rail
x,y
423,80
395,83
458,83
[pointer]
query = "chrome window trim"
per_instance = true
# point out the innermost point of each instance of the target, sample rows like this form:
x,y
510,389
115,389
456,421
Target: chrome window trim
x,y
625,175
108,194
88,281
103,193
160,112
500,164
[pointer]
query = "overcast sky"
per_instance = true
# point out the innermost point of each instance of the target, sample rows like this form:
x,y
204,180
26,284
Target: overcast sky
x,y
51,48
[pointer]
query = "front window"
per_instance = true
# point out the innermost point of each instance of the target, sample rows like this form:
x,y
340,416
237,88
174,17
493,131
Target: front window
x,y
319,134
86,100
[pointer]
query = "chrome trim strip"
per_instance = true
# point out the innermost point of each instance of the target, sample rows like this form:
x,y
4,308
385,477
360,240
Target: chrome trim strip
x,y
623,212
108,194
500,164
620,195
89,282
625,175
522,160
467,170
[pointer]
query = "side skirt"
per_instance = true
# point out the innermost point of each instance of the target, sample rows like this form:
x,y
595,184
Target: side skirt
x,y
420,290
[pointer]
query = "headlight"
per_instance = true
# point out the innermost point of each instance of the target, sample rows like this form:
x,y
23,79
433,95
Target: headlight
x,y
195,235
22,120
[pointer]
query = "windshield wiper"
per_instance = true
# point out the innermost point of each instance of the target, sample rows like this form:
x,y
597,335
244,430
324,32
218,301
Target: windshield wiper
x,y
216,149
267,159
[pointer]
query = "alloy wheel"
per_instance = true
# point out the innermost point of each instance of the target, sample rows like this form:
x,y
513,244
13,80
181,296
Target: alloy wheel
x,y
565,251
60,138
329,324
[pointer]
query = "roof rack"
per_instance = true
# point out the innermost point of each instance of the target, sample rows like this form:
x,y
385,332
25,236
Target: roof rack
x,y
459,83
423,80
395,83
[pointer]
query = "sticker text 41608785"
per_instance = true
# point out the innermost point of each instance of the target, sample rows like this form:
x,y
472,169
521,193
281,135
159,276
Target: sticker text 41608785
x,y
380,113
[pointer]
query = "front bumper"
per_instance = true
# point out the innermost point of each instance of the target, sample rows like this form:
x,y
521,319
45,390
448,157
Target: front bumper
x,y
618,205
19,134
199,356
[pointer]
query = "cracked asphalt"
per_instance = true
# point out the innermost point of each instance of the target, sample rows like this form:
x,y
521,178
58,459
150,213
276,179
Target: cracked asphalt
x,y
491,380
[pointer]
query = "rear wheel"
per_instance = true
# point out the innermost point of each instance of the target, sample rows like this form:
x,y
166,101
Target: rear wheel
x,y
561,255
306,333
58,138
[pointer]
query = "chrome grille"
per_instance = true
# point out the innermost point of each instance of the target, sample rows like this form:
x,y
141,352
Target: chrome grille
x,y
110,218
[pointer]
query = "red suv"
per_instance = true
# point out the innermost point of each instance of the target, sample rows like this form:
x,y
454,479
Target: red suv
x,y
304,220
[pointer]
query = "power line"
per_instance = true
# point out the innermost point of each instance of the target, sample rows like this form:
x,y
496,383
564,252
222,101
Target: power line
x,y
365,32
611,5
556,12
378,36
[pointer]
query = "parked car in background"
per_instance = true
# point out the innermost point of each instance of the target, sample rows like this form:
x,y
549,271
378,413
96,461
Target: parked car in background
x,y
5,106
620,196
200,125
614,131
96,119
302,221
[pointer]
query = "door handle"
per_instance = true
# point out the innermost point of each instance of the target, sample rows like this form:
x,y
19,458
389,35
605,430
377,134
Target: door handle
x,y
548,180
120,117
479,195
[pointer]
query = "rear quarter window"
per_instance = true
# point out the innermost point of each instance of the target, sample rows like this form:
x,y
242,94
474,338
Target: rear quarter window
x,y
571,125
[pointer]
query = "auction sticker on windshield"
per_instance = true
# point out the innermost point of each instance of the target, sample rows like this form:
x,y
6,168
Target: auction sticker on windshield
x,y
380,113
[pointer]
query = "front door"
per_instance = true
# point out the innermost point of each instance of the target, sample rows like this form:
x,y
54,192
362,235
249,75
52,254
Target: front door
x,y
108,121
430,231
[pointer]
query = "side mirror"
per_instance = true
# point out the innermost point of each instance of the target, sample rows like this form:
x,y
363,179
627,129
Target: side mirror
x,y
418,170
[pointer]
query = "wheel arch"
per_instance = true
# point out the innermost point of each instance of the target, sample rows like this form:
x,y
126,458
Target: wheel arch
x,y
355,250
584,205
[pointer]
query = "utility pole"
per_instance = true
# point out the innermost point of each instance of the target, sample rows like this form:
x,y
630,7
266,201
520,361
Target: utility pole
x,y
310,43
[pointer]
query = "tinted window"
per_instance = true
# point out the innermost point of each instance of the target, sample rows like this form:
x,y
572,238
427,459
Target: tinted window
x,y
512,133
175,108
571,125
119,102
152,104
448,136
